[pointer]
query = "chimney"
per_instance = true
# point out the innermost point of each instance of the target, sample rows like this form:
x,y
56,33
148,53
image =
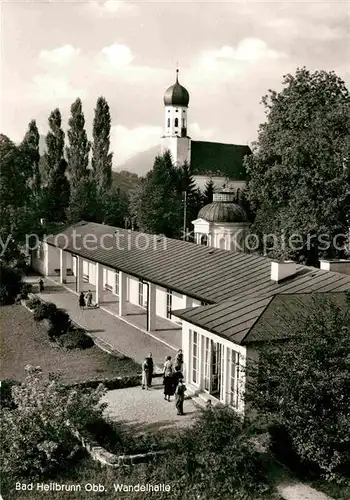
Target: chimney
x,y
338,266
282,270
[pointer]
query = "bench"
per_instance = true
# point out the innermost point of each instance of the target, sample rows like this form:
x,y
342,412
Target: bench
x,y
69,272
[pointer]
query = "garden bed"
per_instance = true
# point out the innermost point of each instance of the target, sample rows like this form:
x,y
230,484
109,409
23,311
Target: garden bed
x,y
24,341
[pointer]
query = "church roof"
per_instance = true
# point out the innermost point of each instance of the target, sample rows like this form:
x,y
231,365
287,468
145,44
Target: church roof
x,y
218,159
176,95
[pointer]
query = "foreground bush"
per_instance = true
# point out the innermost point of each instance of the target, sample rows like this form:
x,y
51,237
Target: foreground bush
x,y
213,459
36,434
10,284
33,303
6,398
303,389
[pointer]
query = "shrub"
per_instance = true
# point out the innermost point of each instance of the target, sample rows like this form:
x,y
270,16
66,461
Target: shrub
x,y
6,393
44,311
10,284
59,319
215,458
37,437
76,339
34,303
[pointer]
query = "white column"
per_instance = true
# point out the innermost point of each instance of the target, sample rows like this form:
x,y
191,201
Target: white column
x,y
122,293
63,266
99,282
46,258
187,301
152,315
225,374
80,282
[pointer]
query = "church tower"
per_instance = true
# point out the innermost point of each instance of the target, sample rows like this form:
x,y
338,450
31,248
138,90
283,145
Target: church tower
x,y
175,138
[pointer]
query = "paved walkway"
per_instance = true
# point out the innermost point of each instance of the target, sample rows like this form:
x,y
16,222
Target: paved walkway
x,y
147,411
115,333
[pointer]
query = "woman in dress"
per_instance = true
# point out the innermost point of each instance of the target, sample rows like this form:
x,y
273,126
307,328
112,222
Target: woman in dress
x,y
81,300
168,378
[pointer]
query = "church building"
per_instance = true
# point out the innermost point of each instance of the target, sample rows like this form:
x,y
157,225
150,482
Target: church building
x,y
223,163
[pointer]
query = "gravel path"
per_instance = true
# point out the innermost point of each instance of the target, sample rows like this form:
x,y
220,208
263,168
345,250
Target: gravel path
x,y
299,491
147,411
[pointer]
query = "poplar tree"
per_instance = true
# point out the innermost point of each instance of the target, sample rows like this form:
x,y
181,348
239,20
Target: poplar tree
x,y
101,157
79,147
30,150
192,198
57,191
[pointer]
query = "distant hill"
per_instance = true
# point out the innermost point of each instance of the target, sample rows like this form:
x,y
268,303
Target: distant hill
x,y
127,181
141,163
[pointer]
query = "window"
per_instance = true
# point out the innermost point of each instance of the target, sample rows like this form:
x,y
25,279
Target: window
x,y
233,378
168,122
176,122
183,122
117,282
169,303
140,293
195,357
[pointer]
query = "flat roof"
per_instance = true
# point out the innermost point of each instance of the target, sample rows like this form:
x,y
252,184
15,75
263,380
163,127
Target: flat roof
x,y
237,285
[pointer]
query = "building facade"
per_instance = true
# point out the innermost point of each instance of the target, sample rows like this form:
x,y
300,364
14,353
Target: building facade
x,y
225,301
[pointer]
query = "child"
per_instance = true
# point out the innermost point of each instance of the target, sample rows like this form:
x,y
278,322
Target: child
x,y
180,397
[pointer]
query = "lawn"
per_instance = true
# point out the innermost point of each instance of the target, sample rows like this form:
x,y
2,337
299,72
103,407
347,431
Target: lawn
x,y
23,341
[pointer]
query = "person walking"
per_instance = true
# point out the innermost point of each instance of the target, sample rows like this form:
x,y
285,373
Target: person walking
x,y
180,397
168,378
81,300
145,371
89,299
41,285
150,370
179,360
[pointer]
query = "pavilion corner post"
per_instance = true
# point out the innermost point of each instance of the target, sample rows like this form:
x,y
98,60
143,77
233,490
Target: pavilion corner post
x,y
147,308
184,229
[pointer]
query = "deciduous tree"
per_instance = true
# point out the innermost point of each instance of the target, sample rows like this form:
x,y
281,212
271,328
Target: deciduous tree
x,y
303,384
57,190
79,147
299,174
101,157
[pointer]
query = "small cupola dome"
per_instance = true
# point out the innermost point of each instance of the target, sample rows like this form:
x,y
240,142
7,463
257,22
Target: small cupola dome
x,y
223,209
176,95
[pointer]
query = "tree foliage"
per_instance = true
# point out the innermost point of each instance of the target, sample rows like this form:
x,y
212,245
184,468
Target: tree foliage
x,y
303,385
79,147
101,157
57,190
216,458
187,185
159,207
15,200
208,192
84,201
30,149
299,174
37,437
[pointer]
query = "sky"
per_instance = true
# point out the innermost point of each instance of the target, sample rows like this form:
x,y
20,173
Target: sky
x,y
228,53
